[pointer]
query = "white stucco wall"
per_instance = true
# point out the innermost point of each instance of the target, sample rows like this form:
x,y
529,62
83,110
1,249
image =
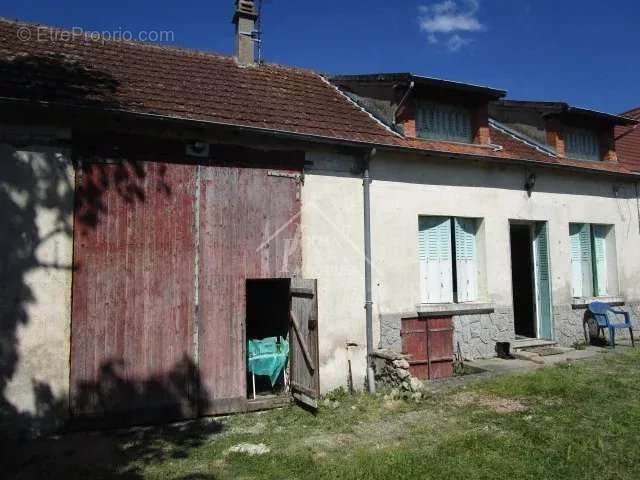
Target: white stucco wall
x,y
405,187
36,186
332,243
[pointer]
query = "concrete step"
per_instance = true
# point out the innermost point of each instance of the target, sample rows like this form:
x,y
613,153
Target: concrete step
x,y
531,342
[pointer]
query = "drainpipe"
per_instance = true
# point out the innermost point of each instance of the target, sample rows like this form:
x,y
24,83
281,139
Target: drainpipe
x,y
368,303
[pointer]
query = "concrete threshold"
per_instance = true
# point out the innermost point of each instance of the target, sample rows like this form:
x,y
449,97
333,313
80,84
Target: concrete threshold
x,y
531,342
528,361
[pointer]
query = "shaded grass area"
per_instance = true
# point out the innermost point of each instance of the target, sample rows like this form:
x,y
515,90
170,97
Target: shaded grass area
x,y
573,421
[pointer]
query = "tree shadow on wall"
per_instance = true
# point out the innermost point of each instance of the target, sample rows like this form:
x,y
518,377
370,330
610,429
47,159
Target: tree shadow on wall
x,y
37,202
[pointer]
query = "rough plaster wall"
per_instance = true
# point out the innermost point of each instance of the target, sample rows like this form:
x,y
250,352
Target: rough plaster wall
x,y
37,187
332,239
404,188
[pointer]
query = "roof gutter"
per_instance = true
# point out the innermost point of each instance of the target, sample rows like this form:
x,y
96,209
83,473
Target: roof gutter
x,y
288,135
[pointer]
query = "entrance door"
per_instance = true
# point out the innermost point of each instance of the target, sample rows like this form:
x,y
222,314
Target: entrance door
x,y
303,355
522,277
531,280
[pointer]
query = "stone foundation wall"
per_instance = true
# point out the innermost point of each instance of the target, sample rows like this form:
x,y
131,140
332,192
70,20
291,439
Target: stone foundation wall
x,y
568,323
476,333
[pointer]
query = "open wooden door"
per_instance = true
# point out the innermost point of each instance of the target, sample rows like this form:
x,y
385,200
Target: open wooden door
x,y
303,354
543,281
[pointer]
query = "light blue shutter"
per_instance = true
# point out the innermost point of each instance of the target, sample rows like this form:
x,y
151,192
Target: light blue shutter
x,y
600,260
581,270
576,260
434,247
466,259
543,281
586,260
443,122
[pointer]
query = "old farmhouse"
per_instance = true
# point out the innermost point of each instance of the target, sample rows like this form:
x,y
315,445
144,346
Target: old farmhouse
x,y
162,208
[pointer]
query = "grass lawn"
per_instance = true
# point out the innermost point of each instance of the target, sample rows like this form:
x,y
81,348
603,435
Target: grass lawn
x,y
569,422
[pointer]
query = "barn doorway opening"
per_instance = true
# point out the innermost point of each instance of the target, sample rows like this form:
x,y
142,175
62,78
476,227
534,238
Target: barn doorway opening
x,y
268,307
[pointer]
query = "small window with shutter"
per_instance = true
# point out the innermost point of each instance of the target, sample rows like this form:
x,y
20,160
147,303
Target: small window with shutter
x,y
592,259
436,121
582,144
447,251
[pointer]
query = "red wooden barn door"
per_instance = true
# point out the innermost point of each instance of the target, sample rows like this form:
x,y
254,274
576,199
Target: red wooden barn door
x,y
248,224
429,343
440,347
414,343
133,291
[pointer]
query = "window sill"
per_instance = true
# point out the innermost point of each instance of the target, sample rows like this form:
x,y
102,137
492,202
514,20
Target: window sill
x,y
583,302
446,309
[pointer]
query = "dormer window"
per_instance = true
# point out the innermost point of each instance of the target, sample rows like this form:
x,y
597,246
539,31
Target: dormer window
x,y
582,144
438,121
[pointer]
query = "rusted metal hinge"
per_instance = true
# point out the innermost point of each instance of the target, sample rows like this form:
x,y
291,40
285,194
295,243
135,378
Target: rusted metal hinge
x,y
284,174
299,177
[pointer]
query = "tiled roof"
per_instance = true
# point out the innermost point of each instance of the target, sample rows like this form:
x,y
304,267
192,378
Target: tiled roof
x,y
51,66
628,142
175,82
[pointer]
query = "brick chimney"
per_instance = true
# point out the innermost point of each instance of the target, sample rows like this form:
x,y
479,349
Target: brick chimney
x,y
244,18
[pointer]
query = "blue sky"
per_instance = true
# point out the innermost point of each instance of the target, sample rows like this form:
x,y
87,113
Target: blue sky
x,y
584,52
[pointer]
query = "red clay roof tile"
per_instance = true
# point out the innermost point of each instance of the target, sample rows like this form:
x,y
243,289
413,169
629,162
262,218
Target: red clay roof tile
x,y
174,82
628,142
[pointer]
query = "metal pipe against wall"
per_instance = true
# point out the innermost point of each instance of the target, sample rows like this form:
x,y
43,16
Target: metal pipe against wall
x,y
368,304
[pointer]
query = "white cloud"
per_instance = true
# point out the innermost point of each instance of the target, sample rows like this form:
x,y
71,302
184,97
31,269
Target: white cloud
x,y
456,42
448,19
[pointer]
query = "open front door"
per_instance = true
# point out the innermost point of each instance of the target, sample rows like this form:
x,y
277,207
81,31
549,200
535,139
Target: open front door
x,y
303,355
543,281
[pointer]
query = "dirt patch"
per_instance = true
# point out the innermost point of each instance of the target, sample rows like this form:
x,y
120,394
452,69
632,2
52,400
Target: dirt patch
x,y
498,404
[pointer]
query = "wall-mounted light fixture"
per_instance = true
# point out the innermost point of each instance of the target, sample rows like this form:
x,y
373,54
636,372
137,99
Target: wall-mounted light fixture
x,y
530,183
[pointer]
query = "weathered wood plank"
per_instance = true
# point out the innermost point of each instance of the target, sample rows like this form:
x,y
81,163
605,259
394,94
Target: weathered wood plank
x,y
302,340
133,289
305,378
247,220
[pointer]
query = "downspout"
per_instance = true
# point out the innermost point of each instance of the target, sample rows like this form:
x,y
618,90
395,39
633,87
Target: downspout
x,y
637,204
368,302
